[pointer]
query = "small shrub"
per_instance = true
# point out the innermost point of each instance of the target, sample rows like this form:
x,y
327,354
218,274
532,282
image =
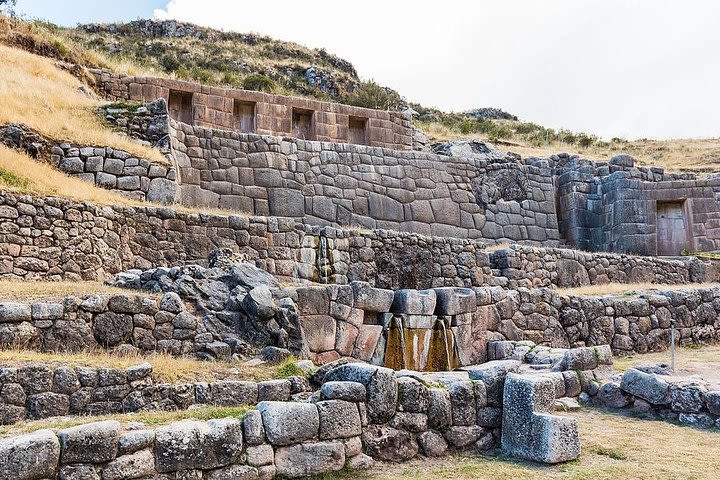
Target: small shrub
x,y
229,78
500,132
201,75
289,369
467,126
259,83
585,140
371,95
169,63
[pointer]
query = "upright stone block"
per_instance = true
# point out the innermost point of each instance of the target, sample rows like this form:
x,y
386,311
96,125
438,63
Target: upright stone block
x,y
529,430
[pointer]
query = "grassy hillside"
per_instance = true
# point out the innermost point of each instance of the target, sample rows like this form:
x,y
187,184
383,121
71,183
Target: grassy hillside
x,y
255,62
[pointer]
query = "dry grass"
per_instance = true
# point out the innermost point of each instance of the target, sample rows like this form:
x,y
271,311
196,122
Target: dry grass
x,y
629,288
698,155
166,368
613,448
16,290
34,91
704,361
20,173
151,419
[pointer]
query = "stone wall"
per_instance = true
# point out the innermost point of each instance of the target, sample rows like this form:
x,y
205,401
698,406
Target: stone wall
x,y
361,413
126,322
527,266
273,114
638,323
353,185
613,207
36,391
53,238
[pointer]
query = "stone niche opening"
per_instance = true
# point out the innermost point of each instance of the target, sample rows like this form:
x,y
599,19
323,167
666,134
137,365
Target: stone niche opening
x,y
303,126
244,116
180,106
673,230
357,130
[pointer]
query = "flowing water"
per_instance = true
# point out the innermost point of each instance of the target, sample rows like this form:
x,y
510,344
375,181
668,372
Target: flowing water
x,y
412,349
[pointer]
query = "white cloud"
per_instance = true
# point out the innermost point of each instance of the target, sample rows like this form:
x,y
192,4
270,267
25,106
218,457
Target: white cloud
x,y
632,68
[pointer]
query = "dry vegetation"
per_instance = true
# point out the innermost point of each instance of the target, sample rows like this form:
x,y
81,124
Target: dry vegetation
x,y
613,448
153,418
699,155
34,91
166,368
629,288
22,174
691,360
17,290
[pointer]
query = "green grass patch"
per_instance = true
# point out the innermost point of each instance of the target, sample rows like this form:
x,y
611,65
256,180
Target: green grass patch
x,y
14,181
289,369
611,453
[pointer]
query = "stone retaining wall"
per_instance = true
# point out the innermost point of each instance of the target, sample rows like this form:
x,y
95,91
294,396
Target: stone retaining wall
x,y
527,266
324,183
272,114
130,322
637,323
40,391
361,413
52,238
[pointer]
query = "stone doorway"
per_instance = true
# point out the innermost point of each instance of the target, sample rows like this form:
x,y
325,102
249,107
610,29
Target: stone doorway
x,y
673,233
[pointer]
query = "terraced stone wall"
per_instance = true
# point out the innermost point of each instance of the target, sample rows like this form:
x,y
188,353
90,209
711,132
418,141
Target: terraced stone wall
x,y
34,391
527,266
217,107
333,184
53,238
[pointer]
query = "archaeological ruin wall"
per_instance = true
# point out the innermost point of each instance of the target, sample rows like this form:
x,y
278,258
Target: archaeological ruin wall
x,y
263,113
618,207
352,185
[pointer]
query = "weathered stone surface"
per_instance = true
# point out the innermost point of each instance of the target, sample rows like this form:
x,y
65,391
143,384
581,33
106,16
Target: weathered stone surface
x,y
112,329
79,472
136,465
229,393
29,457
381,385
493,375
234,472
414,302
529,431
689,398
338,419
135,440
309,459
388,444
432,444
48,404
274,390
190,444
413,396
463,436
612,396
288,423
454,301
253,429
348,391
646,386
462,398
90,443
371,299
439,409
14,312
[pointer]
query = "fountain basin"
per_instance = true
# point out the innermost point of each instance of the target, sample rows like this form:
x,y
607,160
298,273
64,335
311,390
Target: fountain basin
x,y
414,302
454,300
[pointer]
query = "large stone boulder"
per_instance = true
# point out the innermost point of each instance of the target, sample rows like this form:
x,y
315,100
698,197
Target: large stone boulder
x,y
190,444
386,443
455,301
29,457
649,387
414,302
371,299
529,430
91,443
287,423
493,375
308,459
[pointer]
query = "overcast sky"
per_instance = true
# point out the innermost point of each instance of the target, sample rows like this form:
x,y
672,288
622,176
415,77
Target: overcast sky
x,y
631,68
